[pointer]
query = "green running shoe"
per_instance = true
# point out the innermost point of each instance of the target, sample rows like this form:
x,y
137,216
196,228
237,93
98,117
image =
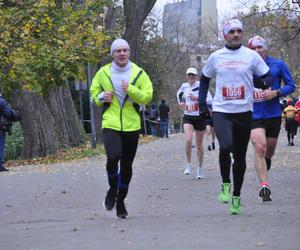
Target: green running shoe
x,y
224,195
235,205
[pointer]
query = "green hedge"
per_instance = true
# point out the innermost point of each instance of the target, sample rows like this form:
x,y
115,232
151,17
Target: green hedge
x,y
14,143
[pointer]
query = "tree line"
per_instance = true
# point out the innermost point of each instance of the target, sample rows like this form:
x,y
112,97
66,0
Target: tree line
x,y
46,45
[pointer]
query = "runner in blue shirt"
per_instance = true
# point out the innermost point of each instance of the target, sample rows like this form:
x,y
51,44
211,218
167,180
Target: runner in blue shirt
x,y
267,114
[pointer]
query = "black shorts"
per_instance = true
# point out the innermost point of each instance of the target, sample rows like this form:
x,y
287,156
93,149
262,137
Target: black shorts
x,y
210,122
198,123
271,125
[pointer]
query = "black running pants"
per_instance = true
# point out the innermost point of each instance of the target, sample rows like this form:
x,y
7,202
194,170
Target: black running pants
x,y
291,127
120,147
233,133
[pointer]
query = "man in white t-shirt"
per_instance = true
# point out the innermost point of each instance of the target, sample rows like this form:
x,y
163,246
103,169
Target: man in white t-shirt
x,y
233,67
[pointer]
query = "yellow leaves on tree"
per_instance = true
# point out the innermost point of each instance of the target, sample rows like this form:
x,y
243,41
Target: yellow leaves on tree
x,y
46,44
45,3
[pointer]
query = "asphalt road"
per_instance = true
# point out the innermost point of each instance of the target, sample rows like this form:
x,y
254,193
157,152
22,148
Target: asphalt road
x,y
60,206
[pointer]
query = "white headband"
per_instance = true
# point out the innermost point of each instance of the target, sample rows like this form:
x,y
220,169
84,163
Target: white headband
x,y
257,41
117,44
231,24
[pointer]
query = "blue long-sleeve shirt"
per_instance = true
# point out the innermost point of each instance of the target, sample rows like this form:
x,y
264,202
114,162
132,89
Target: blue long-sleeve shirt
x,y
271,108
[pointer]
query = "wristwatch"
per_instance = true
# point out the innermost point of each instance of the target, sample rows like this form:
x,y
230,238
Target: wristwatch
x,y
101,97
278,92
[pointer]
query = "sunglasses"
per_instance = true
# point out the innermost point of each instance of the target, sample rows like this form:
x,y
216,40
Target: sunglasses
x,y
190,74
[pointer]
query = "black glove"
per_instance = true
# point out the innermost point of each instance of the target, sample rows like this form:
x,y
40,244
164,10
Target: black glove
x,y
260,83
204,111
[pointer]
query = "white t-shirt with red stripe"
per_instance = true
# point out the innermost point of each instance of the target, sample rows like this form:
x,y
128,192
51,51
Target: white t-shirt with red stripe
x,y
234,71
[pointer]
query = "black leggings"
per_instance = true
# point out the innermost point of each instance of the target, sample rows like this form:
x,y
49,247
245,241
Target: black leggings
x,y
233,133
120,146
291,127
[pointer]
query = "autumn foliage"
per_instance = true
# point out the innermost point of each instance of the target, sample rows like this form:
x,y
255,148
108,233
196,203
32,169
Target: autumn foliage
x,y
42,44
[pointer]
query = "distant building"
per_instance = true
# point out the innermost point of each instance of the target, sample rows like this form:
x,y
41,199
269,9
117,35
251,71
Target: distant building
x,y
192,23
190,20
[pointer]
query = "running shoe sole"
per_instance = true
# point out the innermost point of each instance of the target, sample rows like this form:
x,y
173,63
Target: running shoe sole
x,y
224,197
103,204
265,194
123,213
187,171
234,212
235,209
223,200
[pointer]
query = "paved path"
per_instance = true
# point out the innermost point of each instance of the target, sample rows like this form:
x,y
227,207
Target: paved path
x,y
59,206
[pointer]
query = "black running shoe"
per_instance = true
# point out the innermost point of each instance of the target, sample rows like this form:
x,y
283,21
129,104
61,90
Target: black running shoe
x,y
110,199
213,146
121,209
265,193
3,169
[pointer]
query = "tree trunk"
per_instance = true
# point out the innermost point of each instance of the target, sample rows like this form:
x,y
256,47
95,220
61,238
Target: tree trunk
x,y
49,123
135,14
41,135
65,116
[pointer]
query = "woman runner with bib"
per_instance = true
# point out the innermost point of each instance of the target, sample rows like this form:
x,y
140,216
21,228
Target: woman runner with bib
x,y
187,97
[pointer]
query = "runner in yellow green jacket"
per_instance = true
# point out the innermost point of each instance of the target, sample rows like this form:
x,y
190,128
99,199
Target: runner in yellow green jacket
x,y
120,87
122,116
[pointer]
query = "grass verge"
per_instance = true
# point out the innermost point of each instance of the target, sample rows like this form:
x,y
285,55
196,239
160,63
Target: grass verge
x,y
70,154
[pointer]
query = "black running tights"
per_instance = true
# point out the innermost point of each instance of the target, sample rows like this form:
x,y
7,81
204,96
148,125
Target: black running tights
x,y
233,133
120,147
291,127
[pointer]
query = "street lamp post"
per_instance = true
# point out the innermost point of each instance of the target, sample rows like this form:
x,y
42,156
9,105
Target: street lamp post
x,y
93,131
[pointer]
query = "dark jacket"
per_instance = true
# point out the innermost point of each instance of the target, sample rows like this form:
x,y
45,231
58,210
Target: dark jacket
x,y
5,115
4,108
164,111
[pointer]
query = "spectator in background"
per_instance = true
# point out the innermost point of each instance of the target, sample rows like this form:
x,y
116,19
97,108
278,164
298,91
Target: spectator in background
x,y
297,117
283,104
164,118
4,114
153,116
289,114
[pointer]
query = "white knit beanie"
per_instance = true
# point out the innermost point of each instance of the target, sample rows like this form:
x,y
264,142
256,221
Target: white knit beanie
x,y
118,43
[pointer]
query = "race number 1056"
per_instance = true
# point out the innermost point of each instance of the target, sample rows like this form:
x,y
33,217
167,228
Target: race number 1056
x,y
231,93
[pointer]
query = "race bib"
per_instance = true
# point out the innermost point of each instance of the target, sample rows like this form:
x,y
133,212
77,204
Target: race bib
x,y
257,95
192,107
233,93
